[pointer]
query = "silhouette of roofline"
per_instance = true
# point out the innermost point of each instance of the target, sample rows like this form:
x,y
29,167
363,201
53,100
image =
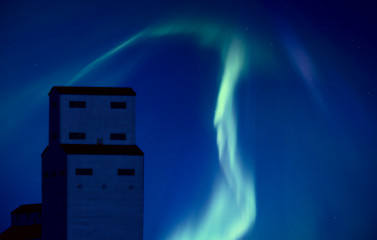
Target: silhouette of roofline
x,y
117,91
28,208
100,149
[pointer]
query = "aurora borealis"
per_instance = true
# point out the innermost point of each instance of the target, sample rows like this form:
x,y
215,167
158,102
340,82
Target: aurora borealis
x,y
290,108
232,209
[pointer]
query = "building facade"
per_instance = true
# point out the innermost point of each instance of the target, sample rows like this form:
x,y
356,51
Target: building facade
x,y
93,171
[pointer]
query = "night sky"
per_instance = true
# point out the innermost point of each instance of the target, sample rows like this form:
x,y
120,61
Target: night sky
x,y
303,109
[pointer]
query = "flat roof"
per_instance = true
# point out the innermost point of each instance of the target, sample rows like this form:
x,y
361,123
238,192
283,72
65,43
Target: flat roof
x,y
118,91
101,149
28,208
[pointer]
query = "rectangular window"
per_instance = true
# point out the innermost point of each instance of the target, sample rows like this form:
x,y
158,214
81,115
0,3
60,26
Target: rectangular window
x,y
118,136
76,135
84,171
77,104
118,105
126,172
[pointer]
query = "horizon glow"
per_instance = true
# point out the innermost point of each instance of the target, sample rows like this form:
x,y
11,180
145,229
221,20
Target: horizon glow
x,y
232,207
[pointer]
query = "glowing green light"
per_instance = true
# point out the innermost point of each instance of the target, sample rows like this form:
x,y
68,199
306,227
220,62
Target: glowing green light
x,y
232,209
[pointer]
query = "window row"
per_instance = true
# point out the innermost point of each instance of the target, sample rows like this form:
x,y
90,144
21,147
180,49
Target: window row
x,y
113,136
104,186
82,104
28,215
89,172
54,174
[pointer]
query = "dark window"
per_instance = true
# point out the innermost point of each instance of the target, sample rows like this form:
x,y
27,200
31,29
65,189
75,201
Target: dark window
x,y
53,104
118,136
126,172
75,135
84,171
53,174
118,105
77,104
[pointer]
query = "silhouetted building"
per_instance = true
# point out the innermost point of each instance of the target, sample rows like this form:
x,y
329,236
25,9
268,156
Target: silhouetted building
x,y
26,223
93,172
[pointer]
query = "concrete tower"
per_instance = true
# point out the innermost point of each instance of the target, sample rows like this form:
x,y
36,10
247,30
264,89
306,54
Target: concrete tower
x,y
93,172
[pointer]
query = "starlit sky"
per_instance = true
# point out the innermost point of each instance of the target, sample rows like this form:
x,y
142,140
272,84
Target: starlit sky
x,y
257,119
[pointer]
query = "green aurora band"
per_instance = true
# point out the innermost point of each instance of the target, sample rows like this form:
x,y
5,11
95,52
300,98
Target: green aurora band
x,y
231,211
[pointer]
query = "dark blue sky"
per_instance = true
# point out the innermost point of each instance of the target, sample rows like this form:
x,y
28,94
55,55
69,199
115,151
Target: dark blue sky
x,y
305,109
